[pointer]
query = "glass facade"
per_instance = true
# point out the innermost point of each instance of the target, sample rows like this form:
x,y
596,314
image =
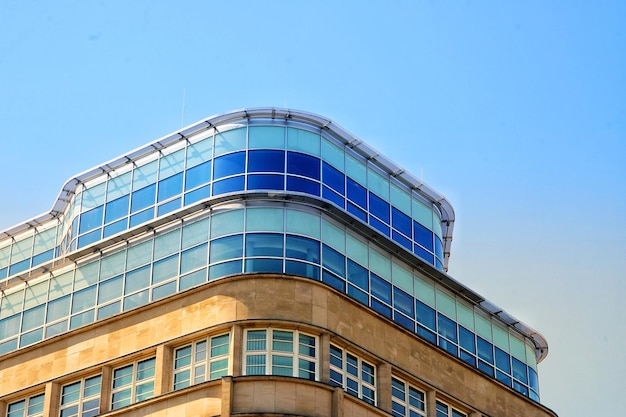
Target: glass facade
x,y
314,201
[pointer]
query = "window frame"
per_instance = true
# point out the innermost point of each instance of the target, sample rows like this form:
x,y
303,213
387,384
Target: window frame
x,y
194,363
79,403
133,384
450,411
409,408
348,376
27,404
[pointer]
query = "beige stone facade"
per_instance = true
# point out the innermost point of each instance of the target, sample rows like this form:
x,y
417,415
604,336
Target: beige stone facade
x,y
234,305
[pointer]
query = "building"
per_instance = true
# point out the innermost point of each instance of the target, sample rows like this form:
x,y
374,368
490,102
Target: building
x,y
259,262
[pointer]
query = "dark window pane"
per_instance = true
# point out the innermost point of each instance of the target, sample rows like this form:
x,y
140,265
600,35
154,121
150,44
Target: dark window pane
x,y
423,236
198,175
356,193
422,253
224,269
142,217
333,178
379,207
426,334
401,221
519,371
21,266
228,185
329,194
116,227
334,281
266,161
266,182
226,248
404,321
404,241
447,327
381,289
505,379
468,358
403,302
533,380
231,164
197,195
264,265
503,360
488,369
358,275
383,309
84,240
168,207
520,388
357,294
303,185
43,257
302,269
467,340
448,346
333,260
425,314
305,165
438,248
170,187
91,219
485,349
116,209
143,198
299,247
361,214
380,226
264,244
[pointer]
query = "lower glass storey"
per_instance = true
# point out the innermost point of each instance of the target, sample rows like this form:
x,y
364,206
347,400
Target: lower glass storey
x,y
264,237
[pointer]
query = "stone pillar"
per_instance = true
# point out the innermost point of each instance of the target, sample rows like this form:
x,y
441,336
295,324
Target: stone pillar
x,y
324,358
51,400
105,389
163,370
337,402
383,387
431,403
237,350
227,396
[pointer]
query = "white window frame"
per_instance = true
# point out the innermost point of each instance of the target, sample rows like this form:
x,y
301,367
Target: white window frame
x,y
349,379
134,383
270,352
410,407
82,399
449,410
199,367
28,403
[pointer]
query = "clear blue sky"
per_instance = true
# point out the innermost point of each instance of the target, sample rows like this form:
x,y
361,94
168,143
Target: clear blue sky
x,y
516,111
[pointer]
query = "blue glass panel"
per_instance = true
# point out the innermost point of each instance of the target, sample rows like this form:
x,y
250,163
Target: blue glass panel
x,y
423,236
425,315
404,321
379,207
228,185
21,266
231,164
401,221
422,253
116,209
358,275
403,241
266,182
142,217
91,219
224,269
303,185
143,198
84,299
169,187
31,337
533,395
356,193
198,175
81,319
505,379
426,334
4,272
520,371
168,207
264,265
264,244
89,238
380,226
43,257
299,247
8,346
302,269
448,346
333,260
226,248
488,369
193,258
503,361
438,248
114,228
334,281
10,326
447,327
468,358
485,349
136,300
381,289
164,290
467,340
137,279
383,309
56,328
357,294
109,310
361,214
520,388
197,195
329,194
266,161
305,165
403,302
532,379
193,279
333,178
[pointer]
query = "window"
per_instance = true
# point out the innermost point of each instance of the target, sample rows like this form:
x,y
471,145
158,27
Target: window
x,y
353,374
133,383
280,352
203,360
407,400
81,398
28,407
444,410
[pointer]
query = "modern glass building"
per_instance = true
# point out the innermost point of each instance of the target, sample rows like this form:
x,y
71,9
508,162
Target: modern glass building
x,y
262,261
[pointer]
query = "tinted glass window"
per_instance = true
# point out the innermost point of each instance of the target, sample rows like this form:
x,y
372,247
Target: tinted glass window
x,y
333,178
381,289
143,198
357,193
379,207
116,209
230,164
305,165
358,275
485,350
303,185
333,260
423,236
170,187
425,314
447,327
264,244
266,182
466,339
266,161
303,248
91,219
401,221
403,302
198,175
228,185
503,360
226,248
